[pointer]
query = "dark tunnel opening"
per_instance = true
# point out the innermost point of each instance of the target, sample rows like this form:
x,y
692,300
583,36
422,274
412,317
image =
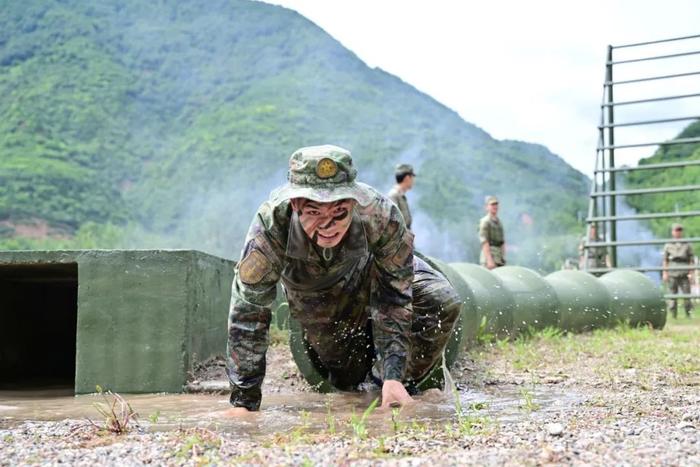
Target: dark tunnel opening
x,y
38,319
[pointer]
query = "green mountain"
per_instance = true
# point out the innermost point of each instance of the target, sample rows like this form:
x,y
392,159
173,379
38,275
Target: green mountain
x,y
135,123
670,202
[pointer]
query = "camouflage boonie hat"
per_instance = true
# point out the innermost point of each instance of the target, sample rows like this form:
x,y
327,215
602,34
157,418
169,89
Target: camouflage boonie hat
x,y
404,169
491,200
322,173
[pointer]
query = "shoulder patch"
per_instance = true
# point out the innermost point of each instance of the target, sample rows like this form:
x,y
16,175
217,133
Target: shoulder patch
x,y
254,267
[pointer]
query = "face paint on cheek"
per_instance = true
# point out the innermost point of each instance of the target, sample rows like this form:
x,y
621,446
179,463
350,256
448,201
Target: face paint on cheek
x,y
309,223
341,216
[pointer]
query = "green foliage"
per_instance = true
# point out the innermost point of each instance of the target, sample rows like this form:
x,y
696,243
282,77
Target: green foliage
x,y
117,413
395,422
483,336
528,404
154,416
330,418
670,202
165,124
359,423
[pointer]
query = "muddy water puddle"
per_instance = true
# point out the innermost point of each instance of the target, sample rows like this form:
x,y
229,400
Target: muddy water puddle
x,y
280,413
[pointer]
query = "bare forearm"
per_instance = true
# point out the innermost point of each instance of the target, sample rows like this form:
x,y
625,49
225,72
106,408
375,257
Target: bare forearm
x,y
486,249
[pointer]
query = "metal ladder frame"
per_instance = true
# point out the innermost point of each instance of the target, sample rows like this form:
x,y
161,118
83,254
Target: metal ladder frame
x,y
602,208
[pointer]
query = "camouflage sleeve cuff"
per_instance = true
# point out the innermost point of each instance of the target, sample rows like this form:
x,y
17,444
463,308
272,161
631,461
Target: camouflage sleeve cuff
x,y
250,399
394,368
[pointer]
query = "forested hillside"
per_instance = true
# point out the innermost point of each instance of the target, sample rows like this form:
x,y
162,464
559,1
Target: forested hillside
x,y
670,202
133,123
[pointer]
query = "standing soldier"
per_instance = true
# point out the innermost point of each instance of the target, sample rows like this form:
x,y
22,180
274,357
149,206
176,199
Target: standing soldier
x,y
369,308
597,255
680,254
404,182
491,237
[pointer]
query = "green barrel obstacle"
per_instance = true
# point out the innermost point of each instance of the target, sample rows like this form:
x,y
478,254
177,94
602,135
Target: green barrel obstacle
x,y
513,299
510,300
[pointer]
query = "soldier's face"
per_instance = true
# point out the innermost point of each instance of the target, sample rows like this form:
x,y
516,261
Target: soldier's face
x,y
677,233
492,208
325,223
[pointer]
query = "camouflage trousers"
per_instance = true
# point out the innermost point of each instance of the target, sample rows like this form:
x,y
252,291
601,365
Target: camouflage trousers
x,y
680,283
496,254
436,307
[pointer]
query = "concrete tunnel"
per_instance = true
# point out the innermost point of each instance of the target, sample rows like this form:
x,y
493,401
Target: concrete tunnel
x,y
39,304
132,321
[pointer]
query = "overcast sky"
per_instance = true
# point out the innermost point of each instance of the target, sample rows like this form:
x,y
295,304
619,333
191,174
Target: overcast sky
x,y
528,70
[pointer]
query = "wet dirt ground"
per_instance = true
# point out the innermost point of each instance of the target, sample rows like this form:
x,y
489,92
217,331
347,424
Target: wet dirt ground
x,y
280,413
577,400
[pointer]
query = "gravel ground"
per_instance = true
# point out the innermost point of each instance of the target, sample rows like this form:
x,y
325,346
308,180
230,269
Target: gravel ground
x,y
581,400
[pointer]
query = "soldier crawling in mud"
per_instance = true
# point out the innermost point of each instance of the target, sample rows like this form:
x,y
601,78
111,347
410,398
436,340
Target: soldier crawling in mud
x,y
370,309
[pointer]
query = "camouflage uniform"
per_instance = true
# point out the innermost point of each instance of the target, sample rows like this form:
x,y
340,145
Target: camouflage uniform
x,y
679,253
491,232
399,197
596,254
372,306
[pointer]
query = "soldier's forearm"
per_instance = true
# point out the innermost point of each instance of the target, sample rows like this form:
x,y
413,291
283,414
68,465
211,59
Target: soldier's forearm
x,y
391,327
246,349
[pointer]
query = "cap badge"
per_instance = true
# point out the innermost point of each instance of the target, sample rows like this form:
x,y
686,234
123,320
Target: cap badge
x,y
326,168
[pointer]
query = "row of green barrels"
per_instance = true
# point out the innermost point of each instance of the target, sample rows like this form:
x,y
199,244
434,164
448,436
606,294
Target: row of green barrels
x,y
511,300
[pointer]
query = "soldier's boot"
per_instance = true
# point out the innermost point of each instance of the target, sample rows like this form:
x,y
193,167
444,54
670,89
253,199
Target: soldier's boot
x,y
436,308
674,309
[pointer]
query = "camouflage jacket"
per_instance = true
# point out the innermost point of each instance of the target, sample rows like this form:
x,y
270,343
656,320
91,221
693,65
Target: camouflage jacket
x,y
596,254
401,202
677,254
491,231
369,276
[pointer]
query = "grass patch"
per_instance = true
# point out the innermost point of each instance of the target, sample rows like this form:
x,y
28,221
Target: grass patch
x,y
359,423
279,336
528,404
671,353
200,446
117,413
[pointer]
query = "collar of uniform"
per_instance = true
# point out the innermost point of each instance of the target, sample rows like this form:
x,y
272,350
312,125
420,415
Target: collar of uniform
x,y
399,190
299,244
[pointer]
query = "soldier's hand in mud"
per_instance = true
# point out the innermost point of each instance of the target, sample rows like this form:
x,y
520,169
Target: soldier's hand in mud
x,y
490,264
394,394
234,412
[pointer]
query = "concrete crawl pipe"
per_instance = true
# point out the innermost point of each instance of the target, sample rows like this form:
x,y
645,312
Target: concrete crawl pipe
x,y
510,300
